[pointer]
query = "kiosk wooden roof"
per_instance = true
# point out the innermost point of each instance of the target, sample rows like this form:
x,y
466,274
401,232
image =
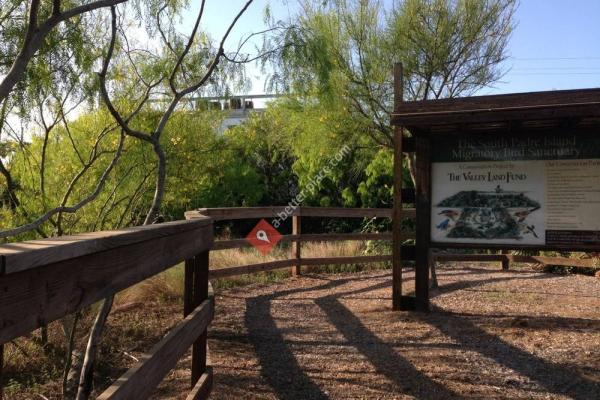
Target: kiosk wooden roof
x,y
507,114
543,110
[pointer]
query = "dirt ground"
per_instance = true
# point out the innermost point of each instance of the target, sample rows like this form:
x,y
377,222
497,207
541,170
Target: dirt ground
x,y
491,335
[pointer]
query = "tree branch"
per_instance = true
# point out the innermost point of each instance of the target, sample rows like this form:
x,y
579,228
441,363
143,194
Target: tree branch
x,y
35,37
186,50
69,209
123,123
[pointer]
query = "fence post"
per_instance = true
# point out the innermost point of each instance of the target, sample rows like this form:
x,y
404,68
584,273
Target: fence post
x,y
397,205
296,230
195,292
1,371
505,260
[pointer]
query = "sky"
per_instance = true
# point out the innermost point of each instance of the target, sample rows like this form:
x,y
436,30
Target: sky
x,y
556,43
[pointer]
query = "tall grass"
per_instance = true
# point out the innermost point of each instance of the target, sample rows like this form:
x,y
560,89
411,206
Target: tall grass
x,y
169,284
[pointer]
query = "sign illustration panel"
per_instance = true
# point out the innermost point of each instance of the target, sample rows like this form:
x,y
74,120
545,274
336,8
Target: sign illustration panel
x,y
536,190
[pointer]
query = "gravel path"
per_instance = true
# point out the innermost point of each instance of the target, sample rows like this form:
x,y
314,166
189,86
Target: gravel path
x,y
491,335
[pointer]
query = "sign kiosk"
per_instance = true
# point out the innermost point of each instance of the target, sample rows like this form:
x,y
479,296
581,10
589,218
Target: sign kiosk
x,y
504,172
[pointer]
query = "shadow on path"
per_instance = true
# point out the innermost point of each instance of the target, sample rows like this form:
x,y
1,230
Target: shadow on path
x,y
555,378
381,354
278,364
281,370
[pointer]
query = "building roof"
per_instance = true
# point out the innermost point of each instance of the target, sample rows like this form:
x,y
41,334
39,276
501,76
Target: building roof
x,y
501,112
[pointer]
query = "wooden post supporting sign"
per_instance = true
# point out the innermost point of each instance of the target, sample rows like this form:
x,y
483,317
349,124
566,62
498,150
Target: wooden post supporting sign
x,y
397,211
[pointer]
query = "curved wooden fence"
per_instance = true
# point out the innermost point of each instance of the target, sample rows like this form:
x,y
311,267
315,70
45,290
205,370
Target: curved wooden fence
x,y
44,280
296,261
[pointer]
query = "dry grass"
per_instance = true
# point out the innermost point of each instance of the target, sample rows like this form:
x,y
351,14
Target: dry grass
x,y
169,284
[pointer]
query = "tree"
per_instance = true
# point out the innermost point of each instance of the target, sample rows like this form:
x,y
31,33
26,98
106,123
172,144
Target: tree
x,y
188,65
342,51
47,52
179,67
28,27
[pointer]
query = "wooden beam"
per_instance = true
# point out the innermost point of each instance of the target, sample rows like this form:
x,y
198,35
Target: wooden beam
x,y
1,371
585,248
505,261
34,253
398,192
227,213
203,387
517,106
564,261
342,212
423,176
346,260
196,282
141,380
488,116
36,296
314,237
250,269
233,213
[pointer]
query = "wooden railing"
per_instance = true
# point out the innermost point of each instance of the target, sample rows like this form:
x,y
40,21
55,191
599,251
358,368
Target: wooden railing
x,y
296,261
44,280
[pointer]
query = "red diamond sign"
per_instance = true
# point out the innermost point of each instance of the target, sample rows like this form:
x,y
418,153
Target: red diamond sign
x,y
264,237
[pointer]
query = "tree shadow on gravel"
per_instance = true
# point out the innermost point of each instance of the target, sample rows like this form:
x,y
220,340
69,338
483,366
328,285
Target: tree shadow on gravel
x,y
278,364
381,354
555,378
281,370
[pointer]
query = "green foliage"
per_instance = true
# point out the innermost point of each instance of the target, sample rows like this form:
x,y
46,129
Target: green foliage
x,y
193,151
342,51
336,57
296,141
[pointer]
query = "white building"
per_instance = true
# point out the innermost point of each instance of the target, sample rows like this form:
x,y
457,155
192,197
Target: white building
x,y
237,108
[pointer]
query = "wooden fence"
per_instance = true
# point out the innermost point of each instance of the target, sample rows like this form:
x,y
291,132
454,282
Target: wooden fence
x,y
44,280
296,261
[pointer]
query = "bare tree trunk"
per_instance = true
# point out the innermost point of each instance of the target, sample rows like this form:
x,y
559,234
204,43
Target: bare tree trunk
x,y
159,192
412,168
86,374
87,370
72,369
71,382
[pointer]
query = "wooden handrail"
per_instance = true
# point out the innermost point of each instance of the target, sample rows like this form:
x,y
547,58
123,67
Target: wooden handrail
x,y
35,253
297,237
233,213
140,380
43,280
